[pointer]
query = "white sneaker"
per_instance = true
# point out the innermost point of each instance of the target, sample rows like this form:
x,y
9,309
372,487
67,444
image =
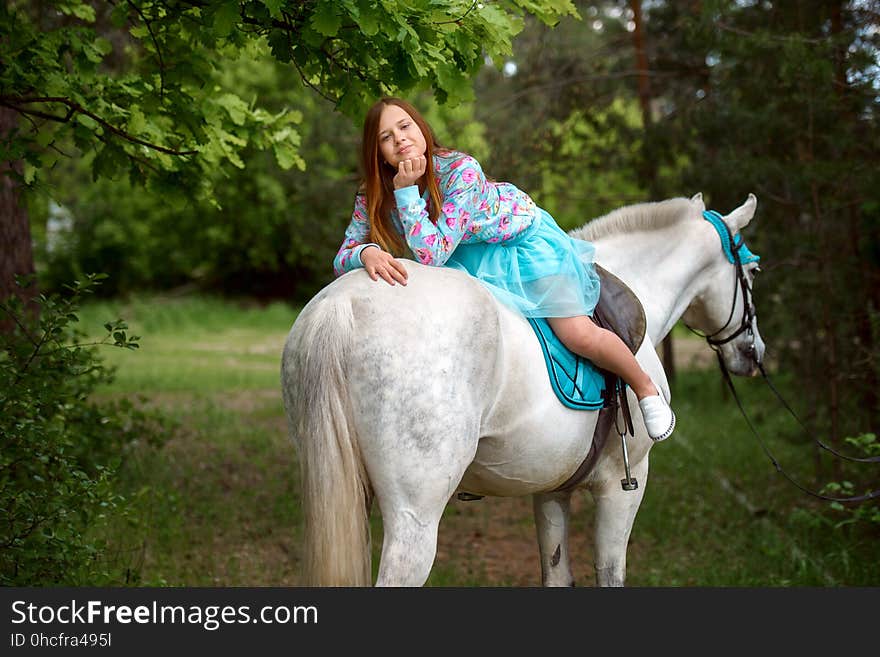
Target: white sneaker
x,y
659,418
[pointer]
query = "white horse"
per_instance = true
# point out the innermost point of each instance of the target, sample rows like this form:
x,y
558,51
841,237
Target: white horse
x,y
407,394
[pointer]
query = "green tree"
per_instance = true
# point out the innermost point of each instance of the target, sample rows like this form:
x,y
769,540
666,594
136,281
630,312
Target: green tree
x,y
782,99
275,231
128,82
564,114
136,90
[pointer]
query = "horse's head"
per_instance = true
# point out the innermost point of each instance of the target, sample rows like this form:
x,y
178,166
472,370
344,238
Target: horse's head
x,y
723,307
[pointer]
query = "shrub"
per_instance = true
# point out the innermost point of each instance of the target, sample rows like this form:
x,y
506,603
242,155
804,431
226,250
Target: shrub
x,y
60,448
866,513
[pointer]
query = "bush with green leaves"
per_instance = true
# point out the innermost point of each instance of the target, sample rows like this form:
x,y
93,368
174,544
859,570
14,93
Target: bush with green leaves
x,y
866,513
61,448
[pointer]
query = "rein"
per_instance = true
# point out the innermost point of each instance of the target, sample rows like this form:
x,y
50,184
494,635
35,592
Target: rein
x,y
856,498
737,253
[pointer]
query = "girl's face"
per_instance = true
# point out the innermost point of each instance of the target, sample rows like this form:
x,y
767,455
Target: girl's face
x,y
399,136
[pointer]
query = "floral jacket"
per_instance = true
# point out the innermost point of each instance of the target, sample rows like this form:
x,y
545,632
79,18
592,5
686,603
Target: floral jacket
x,y
474,209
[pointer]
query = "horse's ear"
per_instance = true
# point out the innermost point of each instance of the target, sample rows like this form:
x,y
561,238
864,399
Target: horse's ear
x,y
698,199
740,217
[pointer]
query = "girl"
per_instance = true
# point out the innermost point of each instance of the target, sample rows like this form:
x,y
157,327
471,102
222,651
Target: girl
x,y
439,204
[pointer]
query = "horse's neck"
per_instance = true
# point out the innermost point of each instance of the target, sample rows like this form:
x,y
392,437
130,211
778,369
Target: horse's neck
x,y
662,266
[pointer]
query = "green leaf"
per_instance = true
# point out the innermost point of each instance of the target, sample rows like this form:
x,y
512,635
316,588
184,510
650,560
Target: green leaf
x,y
288,156
30,173
103,46
77,8
119,15
139,31
326,20
137,122
454,82
48,159
274,7
237,109
46,136
226,17
92,53
279,44
109,162
367,19
87,121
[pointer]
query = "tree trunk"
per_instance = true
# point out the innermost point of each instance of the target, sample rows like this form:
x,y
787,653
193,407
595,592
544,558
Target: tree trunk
x,y
864,286
648,167
15,231
641,63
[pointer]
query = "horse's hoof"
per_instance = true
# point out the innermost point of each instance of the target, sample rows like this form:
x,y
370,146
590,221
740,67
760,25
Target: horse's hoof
x,y
659,418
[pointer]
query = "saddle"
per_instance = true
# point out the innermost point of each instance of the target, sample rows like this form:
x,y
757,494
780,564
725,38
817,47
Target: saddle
x,y
618,310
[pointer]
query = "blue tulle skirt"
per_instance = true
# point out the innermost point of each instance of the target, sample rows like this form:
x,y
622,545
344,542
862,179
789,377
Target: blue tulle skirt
x,y
543,272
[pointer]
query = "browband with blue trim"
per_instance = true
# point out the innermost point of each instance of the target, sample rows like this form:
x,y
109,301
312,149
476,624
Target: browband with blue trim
x,y
745,256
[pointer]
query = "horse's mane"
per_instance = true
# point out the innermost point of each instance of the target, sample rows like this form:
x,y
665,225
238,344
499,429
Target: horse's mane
x,y
641,216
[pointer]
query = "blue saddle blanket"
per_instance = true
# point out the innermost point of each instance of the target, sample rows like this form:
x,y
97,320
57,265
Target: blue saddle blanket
x,y
576,381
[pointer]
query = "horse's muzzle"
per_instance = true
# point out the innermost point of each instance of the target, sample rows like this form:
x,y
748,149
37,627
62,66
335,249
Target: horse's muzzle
x,y
754,356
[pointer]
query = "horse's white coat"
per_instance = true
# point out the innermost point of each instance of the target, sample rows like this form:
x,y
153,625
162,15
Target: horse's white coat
x,y
407,394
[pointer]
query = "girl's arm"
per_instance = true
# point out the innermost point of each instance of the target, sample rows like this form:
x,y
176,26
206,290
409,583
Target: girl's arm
x,y
349,255
462,195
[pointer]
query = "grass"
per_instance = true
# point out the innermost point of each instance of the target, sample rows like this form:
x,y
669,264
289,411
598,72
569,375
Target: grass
x,y
718,513
200,345
217,503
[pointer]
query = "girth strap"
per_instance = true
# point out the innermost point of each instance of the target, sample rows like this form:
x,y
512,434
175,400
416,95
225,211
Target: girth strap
x,y
614,391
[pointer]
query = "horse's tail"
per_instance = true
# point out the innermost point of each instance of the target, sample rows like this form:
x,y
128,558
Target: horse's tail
x,y
334,483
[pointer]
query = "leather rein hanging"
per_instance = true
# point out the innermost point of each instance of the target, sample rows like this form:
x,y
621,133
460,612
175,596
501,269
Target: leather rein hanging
x,y
742,286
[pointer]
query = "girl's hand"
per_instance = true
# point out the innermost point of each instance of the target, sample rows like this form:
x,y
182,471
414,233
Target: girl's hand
x,y
409,172
380,264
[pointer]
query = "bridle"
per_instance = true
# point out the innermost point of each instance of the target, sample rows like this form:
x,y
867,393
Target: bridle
x,y
738,254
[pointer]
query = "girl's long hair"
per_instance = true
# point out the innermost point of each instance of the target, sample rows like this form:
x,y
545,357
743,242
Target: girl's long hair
x,y
378,182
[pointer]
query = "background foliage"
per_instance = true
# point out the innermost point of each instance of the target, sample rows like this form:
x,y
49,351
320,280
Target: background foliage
x,y
212,146
62,448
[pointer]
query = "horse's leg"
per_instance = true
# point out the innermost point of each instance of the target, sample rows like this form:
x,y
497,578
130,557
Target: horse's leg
x,y
551,521
615,513
409,546
412,488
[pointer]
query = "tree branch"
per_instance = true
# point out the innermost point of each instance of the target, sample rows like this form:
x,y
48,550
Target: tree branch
x,y
347,69
773,37
288,29
156,44
74,108
310,85
23,328
458,20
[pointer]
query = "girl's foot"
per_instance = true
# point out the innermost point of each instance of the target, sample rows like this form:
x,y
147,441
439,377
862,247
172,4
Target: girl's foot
x,y
659,418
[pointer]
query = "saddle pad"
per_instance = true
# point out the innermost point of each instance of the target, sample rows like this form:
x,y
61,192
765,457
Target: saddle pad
x,y
576,381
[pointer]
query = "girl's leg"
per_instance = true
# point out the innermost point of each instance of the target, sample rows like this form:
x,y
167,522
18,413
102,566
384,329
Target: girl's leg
x,y
610,353
603,348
